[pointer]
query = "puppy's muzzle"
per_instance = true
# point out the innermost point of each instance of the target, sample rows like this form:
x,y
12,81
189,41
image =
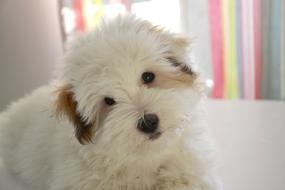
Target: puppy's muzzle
x,y
148,123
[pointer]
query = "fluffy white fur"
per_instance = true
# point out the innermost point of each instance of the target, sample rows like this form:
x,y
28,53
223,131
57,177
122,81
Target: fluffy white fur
x,y
37,135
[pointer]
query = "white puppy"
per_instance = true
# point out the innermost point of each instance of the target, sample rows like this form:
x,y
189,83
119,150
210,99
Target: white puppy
x,y
125,114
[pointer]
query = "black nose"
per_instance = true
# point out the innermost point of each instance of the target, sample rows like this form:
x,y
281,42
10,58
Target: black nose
x,y
148,124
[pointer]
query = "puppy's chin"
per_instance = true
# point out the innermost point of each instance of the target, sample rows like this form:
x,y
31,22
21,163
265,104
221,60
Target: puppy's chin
x,y
135,144
159,142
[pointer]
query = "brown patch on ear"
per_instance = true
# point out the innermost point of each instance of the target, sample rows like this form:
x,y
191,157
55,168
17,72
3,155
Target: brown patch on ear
x,y
65,105
183,66
171,80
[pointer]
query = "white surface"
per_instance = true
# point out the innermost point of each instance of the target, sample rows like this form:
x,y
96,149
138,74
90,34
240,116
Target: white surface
x,y
250,137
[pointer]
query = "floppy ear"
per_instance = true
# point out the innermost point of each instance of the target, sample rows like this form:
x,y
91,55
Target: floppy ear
x,y
65,105
181,42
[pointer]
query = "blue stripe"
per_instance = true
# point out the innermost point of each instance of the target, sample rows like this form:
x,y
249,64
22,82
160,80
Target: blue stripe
x,y
274,49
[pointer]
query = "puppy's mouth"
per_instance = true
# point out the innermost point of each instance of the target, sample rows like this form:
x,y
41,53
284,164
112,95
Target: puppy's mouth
x,y
155,135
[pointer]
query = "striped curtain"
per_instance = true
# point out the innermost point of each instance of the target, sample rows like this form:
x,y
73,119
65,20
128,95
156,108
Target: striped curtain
x,y
247,46
84,15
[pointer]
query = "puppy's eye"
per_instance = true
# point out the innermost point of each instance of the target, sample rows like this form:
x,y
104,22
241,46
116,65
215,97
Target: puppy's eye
x,y
148,77
109,101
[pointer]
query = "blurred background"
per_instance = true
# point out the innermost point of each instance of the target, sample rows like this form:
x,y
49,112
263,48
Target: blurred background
x,y
239,44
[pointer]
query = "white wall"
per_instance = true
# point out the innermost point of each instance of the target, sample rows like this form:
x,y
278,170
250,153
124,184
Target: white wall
x,y
195,23
30,45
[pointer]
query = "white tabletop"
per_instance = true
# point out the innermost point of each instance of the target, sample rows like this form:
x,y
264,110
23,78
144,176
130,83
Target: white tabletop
x,y
251,140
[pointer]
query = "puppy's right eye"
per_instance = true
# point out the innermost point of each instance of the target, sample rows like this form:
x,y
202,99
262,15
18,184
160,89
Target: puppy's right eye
x,y
109,101
148,77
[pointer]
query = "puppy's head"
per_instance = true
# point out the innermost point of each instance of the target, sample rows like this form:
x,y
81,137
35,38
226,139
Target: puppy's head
x,y
129,86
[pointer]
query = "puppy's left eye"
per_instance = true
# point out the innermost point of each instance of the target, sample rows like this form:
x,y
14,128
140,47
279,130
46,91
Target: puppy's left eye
x,y
109,101
148,77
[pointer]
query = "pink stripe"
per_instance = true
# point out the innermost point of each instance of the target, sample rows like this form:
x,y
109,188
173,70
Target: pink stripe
x,y
251,50
78,10
217,47
127,4
257,46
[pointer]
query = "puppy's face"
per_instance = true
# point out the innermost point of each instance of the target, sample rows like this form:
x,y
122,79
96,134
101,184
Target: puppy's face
x,y
129,88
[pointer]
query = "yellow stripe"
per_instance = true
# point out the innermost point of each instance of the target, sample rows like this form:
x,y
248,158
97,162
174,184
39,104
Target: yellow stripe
x,y
93,12
226,37
100,11
230,64
232,52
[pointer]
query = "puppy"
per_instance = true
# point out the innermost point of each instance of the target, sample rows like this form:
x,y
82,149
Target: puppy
x,y
125,113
